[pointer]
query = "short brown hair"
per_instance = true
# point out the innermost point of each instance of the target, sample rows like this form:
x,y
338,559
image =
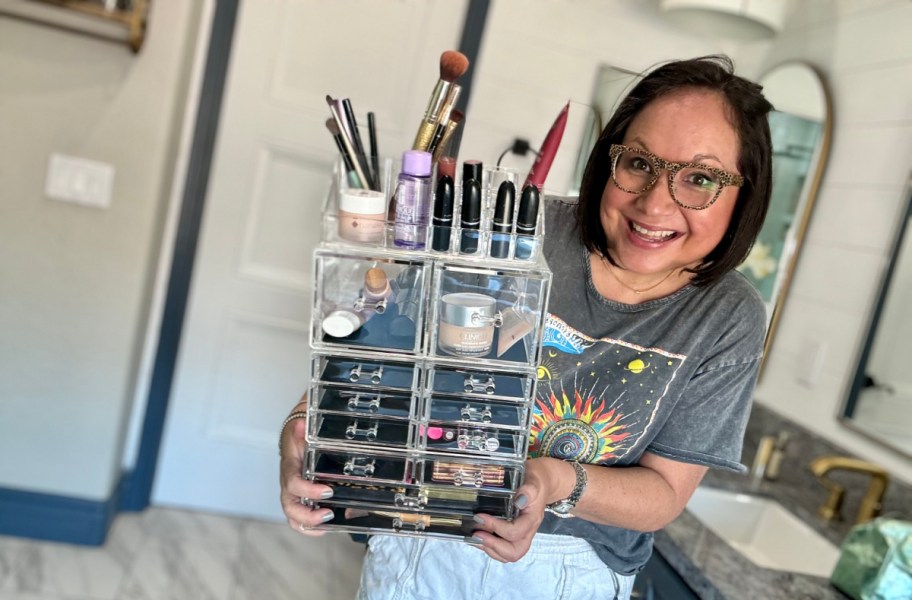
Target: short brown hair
x,y
748,111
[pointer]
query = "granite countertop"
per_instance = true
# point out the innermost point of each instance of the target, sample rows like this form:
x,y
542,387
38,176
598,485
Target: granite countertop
x,y
716,571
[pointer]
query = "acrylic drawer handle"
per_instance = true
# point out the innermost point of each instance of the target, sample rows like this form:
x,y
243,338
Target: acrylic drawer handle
x,y
471,413
476,440
415,522
354,375
477,478
352,431
473,385
379,305
496,320
355,402
357,466
403,501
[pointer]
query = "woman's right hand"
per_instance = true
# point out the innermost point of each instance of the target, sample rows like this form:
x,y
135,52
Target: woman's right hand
x,y
294,487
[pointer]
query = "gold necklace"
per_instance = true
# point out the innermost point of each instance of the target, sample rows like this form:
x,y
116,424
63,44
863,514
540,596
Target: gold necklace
x,y
632,289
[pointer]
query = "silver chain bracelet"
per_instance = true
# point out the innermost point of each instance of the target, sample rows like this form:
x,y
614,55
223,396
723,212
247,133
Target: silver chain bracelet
x,y
292,417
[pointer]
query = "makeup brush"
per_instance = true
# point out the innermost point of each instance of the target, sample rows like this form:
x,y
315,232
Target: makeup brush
x,y
453,65
449,143
542,164
350,127
443,118
363,181
375,157
346,159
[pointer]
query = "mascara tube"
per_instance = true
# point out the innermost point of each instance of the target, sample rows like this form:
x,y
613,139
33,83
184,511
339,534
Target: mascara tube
x,y
443,214
527,221
502,224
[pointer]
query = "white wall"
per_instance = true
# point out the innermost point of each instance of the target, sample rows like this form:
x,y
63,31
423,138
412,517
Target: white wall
x,y
74,281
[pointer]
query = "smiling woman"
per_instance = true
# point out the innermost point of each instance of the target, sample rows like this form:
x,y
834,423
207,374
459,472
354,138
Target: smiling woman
x,y
800,128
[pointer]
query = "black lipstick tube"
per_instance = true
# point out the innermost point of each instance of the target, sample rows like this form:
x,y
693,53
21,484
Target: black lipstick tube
x,y
443,214
502,224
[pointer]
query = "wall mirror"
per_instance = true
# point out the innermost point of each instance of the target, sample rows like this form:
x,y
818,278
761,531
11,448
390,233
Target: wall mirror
x,y
879,402
800,127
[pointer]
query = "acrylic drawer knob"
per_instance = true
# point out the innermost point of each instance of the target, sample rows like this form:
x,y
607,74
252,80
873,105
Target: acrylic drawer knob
x,y
352,431
476,440
379,305
474,385
354,375
355,402
357,466
470,413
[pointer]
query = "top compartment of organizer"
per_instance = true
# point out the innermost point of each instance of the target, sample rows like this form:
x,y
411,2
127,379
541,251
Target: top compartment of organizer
x,y
364,219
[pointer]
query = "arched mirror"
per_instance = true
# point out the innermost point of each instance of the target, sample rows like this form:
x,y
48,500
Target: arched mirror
x,y
800,126
879,402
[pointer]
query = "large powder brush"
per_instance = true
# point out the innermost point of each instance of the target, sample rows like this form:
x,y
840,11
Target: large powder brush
x,y
453,65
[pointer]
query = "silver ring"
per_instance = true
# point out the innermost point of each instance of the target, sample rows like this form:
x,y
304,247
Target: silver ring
x,y
302,528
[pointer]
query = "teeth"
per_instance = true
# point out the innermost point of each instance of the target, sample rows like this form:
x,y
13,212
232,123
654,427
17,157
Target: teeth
x,y
656,235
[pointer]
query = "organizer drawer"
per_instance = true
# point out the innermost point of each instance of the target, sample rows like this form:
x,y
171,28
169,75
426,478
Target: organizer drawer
x,y
365,372
461,473
461,412
481,383
492,442
335,465
360,431
362,303
363,402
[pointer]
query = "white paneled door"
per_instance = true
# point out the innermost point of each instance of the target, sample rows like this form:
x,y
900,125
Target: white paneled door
x,y
244,359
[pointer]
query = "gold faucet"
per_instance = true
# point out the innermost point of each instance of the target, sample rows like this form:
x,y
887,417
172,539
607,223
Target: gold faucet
x,y
871,503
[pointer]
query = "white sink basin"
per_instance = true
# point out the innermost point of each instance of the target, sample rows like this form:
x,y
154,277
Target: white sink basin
x,y
764,532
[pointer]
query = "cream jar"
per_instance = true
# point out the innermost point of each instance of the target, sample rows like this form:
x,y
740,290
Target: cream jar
x,y
362,215
467,322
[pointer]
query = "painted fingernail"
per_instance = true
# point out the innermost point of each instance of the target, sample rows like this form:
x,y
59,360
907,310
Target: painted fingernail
x,y
326,494
521,501
478,519
475,540
328,517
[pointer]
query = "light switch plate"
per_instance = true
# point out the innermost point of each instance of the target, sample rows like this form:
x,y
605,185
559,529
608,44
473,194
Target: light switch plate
x,y
79,180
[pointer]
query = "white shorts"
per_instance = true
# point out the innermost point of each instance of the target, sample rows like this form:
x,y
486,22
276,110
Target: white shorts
x,y
557,567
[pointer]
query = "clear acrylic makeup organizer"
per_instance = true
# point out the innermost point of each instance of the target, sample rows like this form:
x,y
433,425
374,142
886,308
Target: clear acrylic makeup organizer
x,y
415,440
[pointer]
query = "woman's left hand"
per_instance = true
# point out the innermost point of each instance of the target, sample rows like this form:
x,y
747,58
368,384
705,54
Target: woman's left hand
x,y
508,541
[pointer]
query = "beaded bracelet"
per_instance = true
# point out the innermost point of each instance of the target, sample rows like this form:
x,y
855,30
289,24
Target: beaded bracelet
x,y
293,416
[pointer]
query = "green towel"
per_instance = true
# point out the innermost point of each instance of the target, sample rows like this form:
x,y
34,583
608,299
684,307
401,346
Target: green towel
x,y
875,562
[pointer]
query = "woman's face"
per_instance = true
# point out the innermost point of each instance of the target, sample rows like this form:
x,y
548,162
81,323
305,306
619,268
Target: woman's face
x,y
648,233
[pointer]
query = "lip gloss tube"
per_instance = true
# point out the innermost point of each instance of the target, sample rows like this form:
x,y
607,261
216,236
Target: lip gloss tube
x,y
502,224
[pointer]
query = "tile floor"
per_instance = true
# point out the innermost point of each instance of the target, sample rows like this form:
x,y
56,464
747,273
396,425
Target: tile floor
x,y
168,554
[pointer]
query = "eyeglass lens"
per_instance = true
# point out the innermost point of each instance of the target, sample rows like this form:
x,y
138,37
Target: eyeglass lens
x,y
637,172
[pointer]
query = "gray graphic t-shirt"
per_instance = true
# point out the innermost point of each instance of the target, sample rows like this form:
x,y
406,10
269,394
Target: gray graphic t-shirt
x,y
672,376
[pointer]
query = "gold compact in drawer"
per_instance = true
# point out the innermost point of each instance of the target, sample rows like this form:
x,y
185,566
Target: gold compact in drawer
x,y
471,474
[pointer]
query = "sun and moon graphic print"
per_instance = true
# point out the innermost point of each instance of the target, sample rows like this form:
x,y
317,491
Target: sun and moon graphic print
x,y
596,398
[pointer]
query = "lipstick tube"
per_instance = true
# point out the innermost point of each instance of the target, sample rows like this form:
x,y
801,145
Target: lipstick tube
x,y
502,224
